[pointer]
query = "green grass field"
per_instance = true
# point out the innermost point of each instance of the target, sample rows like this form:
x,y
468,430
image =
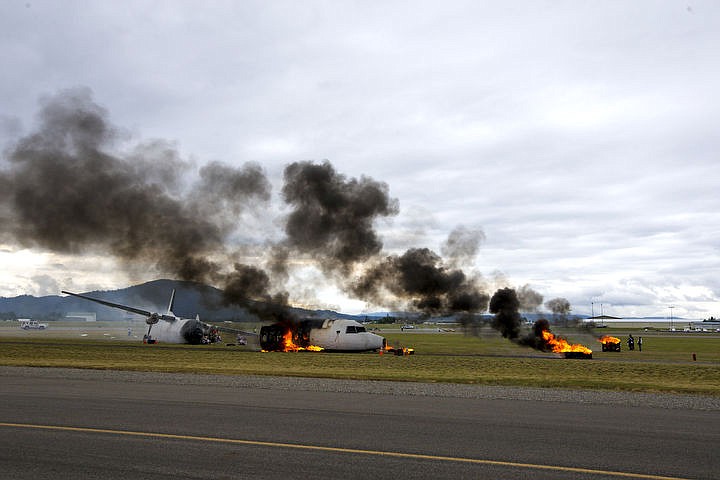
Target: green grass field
x,y
664,365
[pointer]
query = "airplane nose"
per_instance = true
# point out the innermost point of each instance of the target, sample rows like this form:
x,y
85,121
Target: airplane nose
x,y
376,341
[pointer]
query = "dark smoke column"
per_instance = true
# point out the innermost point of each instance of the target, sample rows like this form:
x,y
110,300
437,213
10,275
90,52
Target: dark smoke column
x,y
421,279
332,217
69,190
505,304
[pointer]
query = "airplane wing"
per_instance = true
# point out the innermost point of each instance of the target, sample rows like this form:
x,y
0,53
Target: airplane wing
x,y
114,305
235,331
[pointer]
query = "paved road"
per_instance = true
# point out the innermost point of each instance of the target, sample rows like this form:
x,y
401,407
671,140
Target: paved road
x,y
153,426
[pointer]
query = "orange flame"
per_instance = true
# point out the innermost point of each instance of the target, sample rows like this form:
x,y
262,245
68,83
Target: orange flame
x,y
560,345
390,349
290,346
608,339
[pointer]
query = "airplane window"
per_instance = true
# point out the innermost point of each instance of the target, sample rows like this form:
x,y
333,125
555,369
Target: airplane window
x,y
354,329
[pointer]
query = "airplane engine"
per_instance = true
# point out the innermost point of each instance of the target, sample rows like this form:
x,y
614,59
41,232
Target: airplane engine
x,y
193,332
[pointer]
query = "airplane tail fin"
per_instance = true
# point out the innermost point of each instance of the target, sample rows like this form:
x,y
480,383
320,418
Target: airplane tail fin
x,y
171,305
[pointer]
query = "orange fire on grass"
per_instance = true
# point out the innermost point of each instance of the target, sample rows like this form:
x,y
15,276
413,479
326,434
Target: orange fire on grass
x,y
560,345
609,344
400,351
605,339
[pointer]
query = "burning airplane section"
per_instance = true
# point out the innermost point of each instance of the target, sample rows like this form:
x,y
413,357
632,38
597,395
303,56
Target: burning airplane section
x,y
68,188
335,335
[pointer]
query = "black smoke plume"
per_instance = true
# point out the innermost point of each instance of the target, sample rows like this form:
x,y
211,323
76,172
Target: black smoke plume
x,y
505,305
420,278
332,217
68,190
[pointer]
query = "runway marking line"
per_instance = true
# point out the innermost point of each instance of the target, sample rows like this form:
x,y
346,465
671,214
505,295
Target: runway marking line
x,y
379,453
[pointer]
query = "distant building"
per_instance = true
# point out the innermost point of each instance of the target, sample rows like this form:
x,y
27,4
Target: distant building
x,y
599,320
705,326
81,316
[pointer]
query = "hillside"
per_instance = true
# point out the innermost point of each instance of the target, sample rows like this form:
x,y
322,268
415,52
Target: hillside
x,y
190,299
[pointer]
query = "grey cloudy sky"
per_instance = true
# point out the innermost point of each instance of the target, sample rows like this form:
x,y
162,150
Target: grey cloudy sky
x,y
580,137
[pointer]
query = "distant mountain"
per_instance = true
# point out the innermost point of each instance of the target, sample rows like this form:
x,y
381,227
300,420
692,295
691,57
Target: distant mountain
x,y
191,299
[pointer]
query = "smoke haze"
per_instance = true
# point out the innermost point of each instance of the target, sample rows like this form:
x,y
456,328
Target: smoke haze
x,y
68,189
462,246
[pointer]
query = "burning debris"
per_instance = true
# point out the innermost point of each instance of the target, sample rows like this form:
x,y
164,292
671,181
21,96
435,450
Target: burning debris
x,y
560,345
579,355
610,344
397,351
505,305
541,338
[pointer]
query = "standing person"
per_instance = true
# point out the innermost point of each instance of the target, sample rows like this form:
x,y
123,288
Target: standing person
x,y
640,343
631,342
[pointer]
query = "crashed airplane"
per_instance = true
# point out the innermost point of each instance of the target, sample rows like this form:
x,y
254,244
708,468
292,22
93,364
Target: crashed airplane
x,y
339,335
167,327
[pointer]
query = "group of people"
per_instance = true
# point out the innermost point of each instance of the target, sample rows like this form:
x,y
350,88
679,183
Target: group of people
x,y
631,343
213,336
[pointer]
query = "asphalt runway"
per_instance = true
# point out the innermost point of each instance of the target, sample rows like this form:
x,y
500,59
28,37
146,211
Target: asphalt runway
x,y
99,426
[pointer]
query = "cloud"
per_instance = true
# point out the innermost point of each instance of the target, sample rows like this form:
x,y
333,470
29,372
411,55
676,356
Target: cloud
x,y
579,136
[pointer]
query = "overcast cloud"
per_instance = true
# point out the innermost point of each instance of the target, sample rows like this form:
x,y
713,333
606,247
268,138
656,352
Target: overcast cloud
x,y
579,138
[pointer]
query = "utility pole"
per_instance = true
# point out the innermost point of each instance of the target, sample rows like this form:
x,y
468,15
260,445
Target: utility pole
x,y
672,325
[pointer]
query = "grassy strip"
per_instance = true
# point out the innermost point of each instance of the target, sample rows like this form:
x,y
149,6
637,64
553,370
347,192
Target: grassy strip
x,y
656,347
490,362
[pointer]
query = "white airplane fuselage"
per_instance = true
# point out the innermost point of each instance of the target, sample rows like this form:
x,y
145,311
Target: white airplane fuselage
x,y
340,335
345,335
